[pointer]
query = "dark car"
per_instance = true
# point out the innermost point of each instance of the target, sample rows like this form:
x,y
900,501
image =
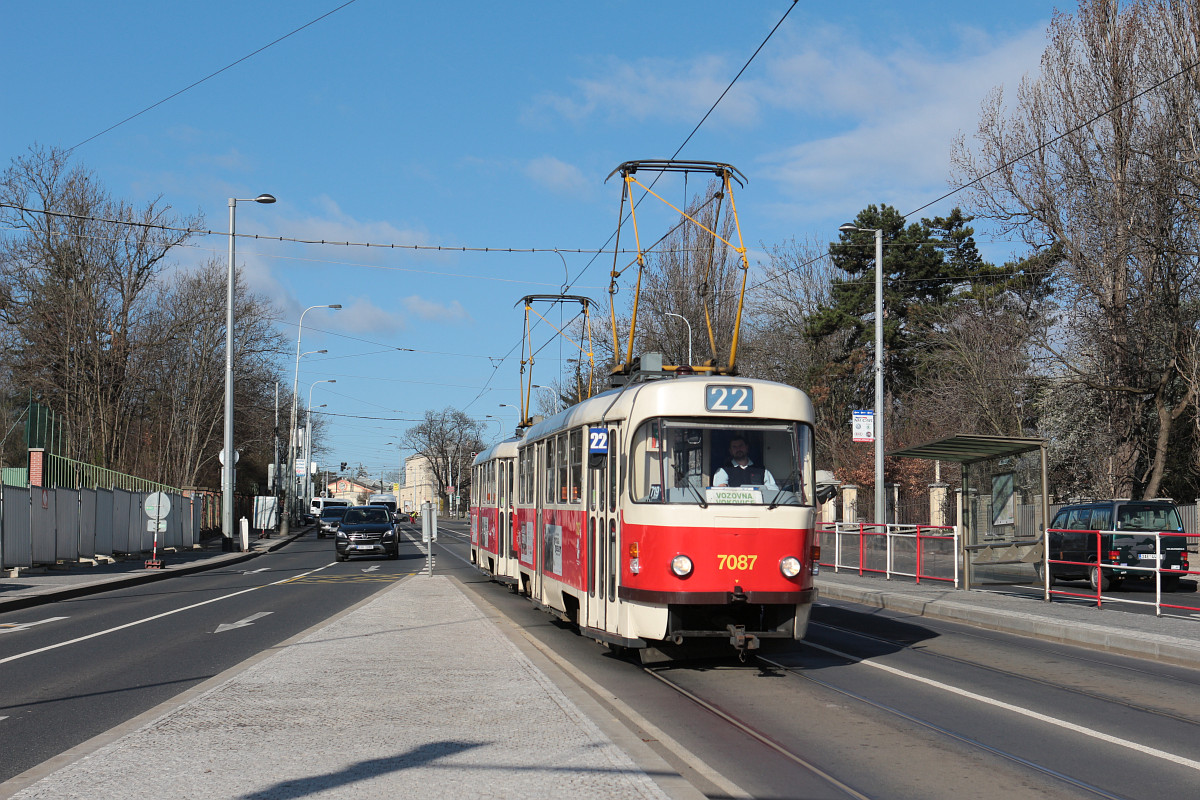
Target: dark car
x,y
367,531
1119,534
330,518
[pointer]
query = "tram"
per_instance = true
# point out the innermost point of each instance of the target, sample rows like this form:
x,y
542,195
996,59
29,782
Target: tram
x,y
624,515
674,511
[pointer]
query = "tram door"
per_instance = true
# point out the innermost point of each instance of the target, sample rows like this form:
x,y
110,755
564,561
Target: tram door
x,y
612,560
603,520
597,525
504,517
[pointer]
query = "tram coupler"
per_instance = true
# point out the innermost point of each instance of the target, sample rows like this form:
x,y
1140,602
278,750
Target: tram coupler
x,y
741,640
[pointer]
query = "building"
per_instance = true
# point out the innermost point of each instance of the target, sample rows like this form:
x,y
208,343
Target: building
x,y
351,490
419,485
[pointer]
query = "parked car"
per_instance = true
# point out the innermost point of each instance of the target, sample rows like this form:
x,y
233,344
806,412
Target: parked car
x,y
1121,542
367,531
330,517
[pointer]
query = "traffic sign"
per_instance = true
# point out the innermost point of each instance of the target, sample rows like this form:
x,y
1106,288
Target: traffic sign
x,y
863,426
157,505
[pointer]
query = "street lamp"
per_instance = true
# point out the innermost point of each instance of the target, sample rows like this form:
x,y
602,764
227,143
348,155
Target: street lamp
x,y
227,472
308,483
291,465
880,502
689,326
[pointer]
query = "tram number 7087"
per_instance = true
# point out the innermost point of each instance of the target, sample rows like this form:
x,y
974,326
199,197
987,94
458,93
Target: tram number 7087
x,y
741,563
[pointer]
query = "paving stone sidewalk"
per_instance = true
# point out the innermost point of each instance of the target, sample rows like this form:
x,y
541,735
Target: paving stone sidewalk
x,y
414,694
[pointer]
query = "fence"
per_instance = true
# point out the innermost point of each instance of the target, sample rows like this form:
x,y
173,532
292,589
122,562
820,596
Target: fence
x,y
922,552
1123,555
46,525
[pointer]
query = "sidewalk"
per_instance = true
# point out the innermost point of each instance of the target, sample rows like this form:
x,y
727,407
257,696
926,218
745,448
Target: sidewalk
x,y
414,693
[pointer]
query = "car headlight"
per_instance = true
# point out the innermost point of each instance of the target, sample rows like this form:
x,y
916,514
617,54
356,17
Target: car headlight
x,y
389,534
681,565
341,534
790,566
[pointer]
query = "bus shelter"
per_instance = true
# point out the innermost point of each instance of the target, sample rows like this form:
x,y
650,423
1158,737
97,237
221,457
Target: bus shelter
x,y
1003,504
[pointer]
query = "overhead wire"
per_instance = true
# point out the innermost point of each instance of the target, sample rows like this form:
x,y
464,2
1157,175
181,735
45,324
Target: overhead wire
x,y
211,75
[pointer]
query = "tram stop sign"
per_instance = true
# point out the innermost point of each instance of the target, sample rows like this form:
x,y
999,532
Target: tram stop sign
x,y
157,505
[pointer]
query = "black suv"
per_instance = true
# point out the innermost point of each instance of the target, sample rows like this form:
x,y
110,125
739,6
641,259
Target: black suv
x,y
1121,542
367,531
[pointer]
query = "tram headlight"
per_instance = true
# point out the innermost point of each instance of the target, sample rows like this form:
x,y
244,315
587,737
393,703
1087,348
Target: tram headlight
x,y
790,566
681,565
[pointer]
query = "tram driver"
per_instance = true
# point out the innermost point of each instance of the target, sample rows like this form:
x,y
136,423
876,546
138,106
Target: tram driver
x,y
740,470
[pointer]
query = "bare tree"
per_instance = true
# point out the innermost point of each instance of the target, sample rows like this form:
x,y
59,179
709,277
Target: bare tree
x,y
449,439
1109,194
78,269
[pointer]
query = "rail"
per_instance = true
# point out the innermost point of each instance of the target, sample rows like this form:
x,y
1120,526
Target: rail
x,y
1108,558
920,552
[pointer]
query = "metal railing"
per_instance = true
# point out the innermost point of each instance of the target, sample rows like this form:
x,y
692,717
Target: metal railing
x,y
68,473
920,552
1111,556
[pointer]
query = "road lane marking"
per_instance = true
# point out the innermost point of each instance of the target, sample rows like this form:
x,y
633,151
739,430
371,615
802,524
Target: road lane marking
x,y
371,568
9,627
253,571
242,623
152,618
979,698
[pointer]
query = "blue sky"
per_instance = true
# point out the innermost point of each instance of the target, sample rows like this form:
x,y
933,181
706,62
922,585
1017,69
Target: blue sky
x,y
489,125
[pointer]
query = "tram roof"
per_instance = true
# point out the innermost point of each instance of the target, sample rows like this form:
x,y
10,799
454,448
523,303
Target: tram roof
x,y
616,403
967,448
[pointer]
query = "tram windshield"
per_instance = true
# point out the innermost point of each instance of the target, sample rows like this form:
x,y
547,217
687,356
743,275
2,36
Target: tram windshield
x,y
698,463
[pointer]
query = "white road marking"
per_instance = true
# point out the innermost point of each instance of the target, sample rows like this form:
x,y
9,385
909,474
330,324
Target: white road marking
x,y
1070,726
9,627
252,571
154,617
371,568
242,623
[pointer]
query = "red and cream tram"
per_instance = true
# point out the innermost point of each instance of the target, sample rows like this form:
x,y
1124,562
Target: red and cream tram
x,y
662,514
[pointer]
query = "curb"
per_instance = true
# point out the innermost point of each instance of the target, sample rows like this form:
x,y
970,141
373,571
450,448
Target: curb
x,y
1154,647
137,578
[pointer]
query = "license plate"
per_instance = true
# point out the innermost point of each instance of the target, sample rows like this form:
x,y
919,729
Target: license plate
x,y
364,547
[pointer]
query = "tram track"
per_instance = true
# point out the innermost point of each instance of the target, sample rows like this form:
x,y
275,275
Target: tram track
x,y
757,735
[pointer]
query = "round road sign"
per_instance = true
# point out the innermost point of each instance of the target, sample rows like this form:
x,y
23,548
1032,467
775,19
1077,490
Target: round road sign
x,y
158,505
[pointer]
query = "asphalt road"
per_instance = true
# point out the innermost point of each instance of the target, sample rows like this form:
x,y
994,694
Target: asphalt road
x,y
76,668
876,704
872,705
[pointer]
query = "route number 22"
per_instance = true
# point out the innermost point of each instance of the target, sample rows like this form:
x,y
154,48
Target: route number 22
x,y
738,399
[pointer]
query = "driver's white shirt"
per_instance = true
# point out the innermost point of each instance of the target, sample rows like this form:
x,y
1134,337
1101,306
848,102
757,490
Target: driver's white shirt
x,y
721,477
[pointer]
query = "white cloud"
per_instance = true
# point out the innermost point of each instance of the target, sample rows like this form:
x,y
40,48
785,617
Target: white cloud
x,y
360,315
431,311
557,176
898,116
655,88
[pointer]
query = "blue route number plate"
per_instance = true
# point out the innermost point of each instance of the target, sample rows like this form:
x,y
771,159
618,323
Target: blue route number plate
x,y
729,399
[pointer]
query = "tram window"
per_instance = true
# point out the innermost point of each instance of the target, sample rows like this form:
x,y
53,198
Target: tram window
x,y
562,467
575,453
548,460
613,462
697,463
527,476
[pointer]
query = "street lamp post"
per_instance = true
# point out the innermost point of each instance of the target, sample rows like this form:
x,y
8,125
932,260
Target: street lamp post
x,y
227,472
308,482
289,485
689,327
880,499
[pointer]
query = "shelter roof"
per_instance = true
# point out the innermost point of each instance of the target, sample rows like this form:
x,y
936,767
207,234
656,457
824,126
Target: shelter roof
x,y
969,448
